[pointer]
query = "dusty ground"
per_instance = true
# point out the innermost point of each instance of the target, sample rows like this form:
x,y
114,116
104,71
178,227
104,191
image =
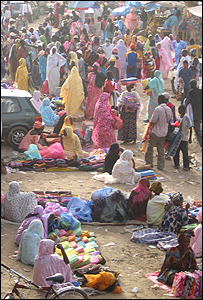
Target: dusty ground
x,y
120,256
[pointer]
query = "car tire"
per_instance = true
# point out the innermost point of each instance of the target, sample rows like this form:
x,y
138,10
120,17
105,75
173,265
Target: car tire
x,y
15,135
42,10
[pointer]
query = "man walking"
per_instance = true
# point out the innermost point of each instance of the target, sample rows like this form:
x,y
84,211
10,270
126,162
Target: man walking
x,y
27,11
194,98
160,118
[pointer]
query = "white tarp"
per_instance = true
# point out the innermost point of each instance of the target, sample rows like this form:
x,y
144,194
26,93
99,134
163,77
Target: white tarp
x,y
196,10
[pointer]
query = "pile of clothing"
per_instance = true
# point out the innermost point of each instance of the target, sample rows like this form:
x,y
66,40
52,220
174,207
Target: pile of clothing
x,y
42,165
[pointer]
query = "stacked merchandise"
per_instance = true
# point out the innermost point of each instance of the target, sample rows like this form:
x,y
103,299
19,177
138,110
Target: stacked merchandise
x,y
94,161
187,285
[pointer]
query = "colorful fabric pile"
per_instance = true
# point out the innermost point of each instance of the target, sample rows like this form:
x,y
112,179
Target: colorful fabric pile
x,y
148,174
94,161
46,164
187,285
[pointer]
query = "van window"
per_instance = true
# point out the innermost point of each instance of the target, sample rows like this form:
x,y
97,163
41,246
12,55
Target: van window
x,y
10,105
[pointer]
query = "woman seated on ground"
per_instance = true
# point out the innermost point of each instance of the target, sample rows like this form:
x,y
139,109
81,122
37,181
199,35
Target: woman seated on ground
x,y
112,157
59,123
175,216
137,202
48,263
68,121
196,241
32,137
156,204
71,144
17,205
177,259
29,243
37,214
122,171
48,115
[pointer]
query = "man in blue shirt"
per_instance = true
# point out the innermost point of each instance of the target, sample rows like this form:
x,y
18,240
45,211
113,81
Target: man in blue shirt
x,y
178,46
186,74
173,23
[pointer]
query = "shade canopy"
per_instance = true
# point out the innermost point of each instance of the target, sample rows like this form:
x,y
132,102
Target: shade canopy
x,y
196,10
83,5
125,9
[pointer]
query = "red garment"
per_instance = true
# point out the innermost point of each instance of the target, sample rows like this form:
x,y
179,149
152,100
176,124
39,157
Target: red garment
x,y
157,62
30,139
104,23
140,196
170,105
108,86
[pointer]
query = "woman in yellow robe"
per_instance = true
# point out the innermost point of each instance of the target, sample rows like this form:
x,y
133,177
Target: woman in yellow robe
x,y
21,77
72,93
71,144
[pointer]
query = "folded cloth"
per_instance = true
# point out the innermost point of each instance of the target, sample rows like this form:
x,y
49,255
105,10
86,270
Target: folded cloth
x,y
60,161
39,161
61,165
16,164
27,169
49,161
29,163
150,236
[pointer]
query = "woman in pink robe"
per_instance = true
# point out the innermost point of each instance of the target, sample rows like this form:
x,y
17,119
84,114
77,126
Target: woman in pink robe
x,y
131,20
94,92
168,46
165,63
48,263
103,133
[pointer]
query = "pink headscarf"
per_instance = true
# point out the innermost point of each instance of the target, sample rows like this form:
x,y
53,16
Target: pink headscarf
x,y
36,99
61,113
47,264
96,64
66,45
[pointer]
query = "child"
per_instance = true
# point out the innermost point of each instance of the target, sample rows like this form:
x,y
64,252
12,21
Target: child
x,y
185,124
180,89
186,74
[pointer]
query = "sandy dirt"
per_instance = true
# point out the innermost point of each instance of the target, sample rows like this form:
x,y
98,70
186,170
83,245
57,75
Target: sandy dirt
x,y
119,257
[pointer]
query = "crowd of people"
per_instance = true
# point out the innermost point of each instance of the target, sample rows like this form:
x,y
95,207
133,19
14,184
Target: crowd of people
x,y
89,69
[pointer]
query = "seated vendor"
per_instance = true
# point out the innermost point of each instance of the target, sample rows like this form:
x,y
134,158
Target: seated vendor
x,y
137,202
68,121
32,137
177,259
175,216
112,157
156,204
71,144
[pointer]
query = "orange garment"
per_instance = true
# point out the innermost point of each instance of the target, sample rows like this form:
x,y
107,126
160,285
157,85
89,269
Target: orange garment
x,y
127,39
100,281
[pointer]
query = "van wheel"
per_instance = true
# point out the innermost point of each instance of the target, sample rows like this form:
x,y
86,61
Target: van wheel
x,y
15,135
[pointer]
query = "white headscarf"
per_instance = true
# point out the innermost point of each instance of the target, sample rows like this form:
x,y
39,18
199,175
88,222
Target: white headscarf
x,y
54,60
123,171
